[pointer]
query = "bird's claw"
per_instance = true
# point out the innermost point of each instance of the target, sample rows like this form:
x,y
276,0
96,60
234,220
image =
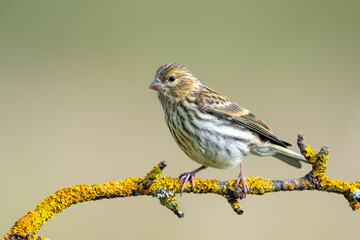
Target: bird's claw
x,y
244,184
185,177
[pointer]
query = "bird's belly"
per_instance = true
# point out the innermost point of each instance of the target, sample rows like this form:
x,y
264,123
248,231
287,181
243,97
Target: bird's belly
x,y
221,154
213,143
218,157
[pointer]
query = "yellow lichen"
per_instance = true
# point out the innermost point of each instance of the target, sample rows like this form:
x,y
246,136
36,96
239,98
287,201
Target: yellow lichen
x,y
154,173
164,188
310,154
260,185
304,182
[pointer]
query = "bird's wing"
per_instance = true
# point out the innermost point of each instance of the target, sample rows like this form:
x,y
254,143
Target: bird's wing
x,y
221,106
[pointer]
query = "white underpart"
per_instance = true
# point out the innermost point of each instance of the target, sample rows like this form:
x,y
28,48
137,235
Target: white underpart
x,y
222,152
215,145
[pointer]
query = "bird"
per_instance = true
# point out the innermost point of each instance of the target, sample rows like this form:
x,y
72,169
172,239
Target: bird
x,y
211,129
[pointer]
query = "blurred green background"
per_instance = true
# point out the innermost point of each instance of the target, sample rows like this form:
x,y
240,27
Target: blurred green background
x,y
76,108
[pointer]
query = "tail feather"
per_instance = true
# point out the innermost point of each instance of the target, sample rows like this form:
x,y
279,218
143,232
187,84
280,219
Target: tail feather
x,y
288,156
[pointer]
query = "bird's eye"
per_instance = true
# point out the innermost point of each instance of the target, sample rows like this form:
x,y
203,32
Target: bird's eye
x,y
172,78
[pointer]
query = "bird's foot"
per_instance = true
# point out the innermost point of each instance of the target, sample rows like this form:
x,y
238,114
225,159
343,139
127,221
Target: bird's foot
x,y
243,184
185,177
242,179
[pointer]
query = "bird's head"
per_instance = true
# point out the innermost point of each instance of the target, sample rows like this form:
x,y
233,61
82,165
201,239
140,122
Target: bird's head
x,y
174,81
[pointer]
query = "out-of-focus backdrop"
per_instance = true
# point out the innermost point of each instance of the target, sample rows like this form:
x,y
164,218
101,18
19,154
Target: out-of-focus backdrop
x,y
75,108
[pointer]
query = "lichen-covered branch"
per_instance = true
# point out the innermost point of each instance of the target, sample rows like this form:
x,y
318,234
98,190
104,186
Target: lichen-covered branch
x,y
165,188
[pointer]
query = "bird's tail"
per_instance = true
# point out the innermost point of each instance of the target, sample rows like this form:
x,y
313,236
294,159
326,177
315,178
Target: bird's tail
x,y
288,156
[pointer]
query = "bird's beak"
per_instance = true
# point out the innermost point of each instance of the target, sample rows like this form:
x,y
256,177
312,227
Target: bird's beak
x,y
156,85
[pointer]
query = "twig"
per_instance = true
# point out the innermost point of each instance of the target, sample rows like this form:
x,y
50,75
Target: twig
x,y
165,188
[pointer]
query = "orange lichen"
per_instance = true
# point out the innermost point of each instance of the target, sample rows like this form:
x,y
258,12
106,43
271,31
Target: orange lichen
x,y
289,185
355,206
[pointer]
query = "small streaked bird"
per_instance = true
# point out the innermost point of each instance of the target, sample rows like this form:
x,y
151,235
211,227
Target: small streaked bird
x,y
210,128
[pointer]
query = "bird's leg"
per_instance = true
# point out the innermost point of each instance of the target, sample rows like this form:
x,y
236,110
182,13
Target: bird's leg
x,y
242,179
189,175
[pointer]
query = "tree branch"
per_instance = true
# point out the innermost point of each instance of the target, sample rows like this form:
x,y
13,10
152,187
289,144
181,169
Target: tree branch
x,y
165,188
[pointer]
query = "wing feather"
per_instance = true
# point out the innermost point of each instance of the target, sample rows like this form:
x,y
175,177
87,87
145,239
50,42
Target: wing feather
x,y
212,102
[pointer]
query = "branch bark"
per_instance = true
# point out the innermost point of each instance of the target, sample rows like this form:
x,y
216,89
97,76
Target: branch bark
x,y
165,188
